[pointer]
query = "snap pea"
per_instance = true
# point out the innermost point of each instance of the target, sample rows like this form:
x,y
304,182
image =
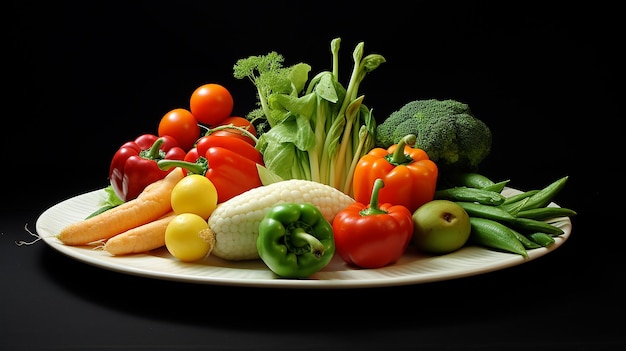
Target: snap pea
x,y
497,187
545,213
493,234
475,209
519,196
471,180
515,202
514,208
462,193
516,223
528,224
544,196
542,239
528,244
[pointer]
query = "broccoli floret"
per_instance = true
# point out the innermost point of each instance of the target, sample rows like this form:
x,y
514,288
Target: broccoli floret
x,y
446,129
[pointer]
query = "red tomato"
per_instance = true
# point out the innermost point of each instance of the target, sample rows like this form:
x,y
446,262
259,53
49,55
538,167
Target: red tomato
x,y
234,133
181,125
211,103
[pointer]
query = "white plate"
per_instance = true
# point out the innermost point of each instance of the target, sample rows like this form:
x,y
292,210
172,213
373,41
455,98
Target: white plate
x,y
412,268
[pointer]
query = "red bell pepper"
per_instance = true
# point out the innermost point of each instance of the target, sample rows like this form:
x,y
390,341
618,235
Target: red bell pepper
x,y
230,164
230,143
410,176
134,165
372,236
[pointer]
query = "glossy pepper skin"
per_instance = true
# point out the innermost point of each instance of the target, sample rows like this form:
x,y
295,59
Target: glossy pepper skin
x,y
228,142
371,236
295,240
134,164
230,164
410,177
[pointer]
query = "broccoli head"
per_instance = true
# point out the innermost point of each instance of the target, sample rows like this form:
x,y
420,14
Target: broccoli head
x,y
446,129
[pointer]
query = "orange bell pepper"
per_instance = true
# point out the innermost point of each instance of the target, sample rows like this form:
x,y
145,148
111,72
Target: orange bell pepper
x,y
410,177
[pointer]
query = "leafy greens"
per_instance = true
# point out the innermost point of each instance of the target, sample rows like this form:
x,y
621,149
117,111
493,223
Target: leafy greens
x,y
316,131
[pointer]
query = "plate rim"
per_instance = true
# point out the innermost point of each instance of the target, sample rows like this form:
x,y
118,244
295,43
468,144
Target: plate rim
x,y
393,275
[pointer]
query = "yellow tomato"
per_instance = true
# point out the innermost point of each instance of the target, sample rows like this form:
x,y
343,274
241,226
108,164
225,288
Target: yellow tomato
x,y
182,237
194,194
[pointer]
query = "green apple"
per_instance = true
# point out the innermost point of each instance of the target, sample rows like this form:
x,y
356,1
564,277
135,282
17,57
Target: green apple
x,y
440,227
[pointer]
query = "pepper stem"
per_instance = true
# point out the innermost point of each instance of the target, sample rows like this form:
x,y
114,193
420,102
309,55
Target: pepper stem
x,y
154,152
300,238
398,157
373,208
199,167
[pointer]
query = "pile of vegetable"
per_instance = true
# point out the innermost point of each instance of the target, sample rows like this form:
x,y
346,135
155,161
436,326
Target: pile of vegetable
x,y
512,224
307,175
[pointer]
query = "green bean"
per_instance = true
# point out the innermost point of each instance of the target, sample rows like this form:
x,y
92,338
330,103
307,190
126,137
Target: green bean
x,y
545,213
463,193
493,234
542,239
544,196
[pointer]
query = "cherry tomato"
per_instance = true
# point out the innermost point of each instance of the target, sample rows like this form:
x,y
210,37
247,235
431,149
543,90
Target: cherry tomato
x,y
194,194
238,122
183,239
211,103
181,125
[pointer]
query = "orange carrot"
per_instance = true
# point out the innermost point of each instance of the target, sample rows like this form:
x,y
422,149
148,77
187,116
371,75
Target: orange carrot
x,y
144,238
153,203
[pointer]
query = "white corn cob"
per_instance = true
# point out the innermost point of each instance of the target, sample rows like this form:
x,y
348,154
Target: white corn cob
x,y
235,222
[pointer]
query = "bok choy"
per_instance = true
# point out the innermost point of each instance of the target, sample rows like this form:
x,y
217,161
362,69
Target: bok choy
x,y
314,130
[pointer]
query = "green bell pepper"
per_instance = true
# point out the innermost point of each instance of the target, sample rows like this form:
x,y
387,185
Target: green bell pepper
x,y
295,240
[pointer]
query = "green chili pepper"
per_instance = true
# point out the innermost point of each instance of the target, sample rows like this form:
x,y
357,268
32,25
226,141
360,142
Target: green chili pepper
x,y
295,240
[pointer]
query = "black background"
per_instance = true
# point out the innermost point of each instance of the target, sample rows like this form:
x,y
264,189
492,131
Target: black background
x,y
81,78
